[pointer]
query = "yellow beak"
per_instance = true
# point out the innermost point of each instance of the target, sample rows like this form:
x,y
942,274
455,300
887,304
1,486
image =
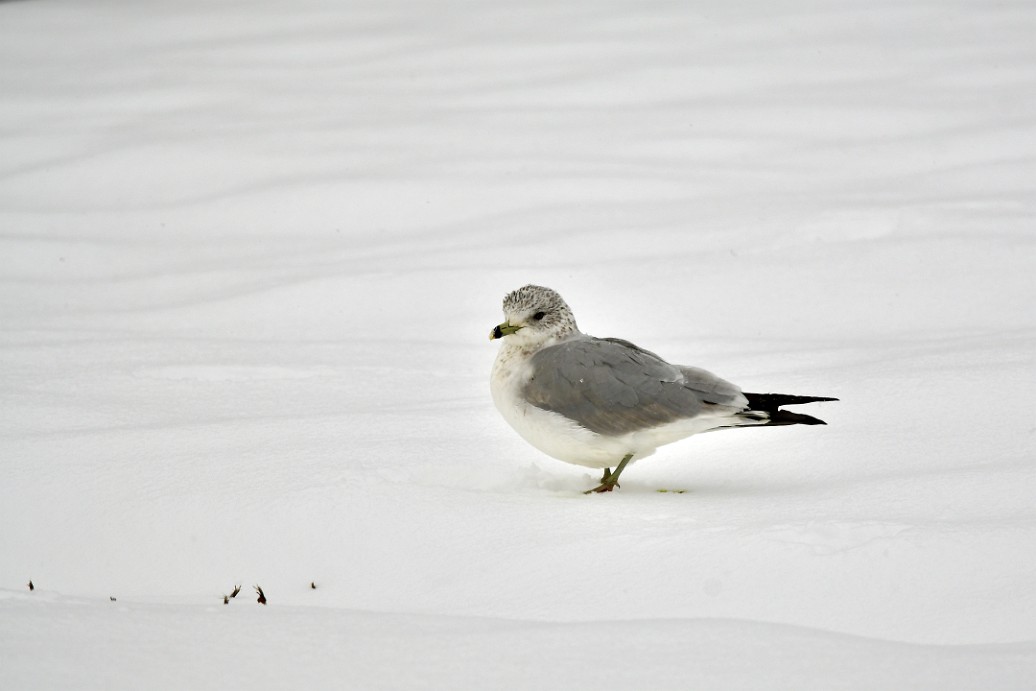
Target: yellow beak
x,y
501,330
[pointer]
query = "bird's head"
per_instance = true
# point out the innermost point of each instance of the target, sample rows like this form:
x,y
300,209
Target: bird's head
x,y
535,315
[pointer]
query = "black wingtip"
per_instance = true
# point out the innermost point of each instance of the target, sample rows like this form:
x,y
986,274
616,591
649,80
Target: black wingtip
x,y
786,417
771,402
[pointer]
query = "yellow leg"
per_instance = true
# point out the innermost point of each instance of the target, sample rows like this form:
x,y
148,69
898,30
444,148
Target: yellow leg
x,y
610,480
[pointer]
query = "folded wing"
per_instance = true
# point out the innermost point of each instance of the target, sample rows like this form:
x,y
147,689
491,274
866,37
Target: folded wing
x,y
613,387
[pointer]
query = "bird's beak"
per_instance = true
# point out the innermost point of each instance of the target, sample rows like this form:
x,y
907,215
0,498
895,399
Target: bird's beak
x,y
501,330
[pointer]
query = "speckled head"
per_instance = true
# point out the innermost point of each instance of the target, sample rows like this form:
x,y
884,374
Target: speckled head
x,y
535,314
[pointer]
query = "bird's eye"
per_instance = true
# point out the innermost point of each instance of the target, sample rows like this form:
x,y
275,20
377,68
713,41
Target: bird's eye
x,y
539,315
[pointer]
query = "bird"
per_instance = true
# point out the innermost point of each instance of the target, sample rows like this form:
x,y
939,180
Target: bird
x,y
605,402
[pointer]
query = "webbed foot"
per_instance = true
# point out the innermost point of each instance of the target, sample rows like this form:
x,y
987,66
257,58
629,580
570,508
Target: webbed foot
x,y
610,480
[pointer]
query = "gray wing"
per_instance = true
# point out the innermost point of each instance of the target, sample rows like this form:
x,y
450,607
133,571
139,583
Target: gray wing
x,y
612,387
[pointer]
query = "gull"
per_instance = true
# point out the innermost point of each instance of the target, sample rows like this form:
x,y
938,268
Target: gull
x,y
605,402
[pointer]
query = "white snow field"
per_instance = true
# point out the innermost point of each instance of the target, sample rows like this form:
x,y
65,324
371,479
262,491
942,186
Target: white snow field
x,y
250,254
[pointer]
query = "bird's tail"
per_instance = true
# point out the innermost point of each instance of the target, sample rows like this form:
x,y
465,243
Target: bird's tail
x,y
770,403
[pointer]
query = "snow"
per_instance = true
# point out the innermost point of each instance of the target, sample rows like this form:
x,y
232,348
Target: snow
x,y
250,254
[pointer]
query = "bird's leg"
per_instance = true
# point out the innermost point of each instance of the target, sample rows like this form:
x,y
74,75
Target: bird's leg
x,y
611,480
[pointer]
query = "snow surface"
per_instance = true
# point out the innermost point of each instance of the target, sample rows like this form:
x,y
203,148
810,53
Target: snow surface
x,y
250,254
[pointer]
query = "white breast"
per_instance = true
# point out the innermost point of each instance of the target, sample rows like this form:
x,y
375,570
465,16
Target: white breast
x,y
553,434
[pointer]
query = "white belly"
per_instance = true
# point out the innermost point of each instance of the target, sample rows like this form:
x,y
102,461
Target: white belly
x,y
553,434
565,440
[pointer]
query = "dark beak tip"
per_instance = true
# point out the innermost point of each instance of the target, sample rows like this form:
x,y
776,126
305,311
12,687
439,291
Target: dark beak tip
x,y
496,333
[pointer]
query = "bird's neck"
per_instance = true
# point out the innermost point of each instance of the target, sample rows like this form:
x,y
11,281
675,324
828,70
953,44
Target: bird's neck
x,y
520,348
